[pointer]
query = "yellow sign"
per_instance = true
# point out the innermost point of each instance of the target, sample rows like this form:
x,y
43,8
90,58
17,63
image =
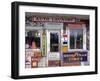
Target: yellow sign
x,y
64,48
44,43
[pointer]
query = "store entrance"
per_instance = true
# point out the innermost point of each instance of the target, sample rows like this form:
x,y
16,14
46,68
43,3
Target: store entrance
x,y
53,46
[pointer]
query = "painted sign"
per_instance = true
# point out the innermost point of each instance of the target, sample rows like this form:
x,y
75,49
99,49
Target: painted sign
x,y
34,62
52,19
75,26
54,63
75,57
54,56
43,43
64,48
53,25
71,63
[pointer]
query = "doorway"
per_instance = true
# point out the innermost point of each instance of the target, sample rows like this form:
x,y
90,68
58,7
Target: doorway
x,y
54,47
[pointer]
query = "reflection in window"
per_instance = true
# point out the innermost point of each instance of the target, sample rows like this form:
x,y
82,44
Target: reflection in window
x,y
33,39
76,39
54,42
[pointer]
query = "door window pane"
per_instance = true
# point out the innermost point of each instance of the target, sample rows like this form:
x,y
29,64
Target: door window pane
x,y
54,42
79,40
72,39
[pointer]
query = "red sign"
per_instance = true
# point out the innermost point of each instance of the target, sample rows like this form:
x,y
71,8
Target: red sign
x,y
54,63
75,25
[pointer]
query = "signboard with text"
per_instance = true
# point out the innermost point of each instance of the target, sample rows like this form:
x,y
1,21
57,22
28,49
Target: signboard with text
x,y
75,57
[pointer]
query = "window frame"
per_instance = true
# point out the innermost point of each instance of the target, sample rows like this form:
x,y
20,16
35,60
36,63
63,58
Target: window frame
x,y
48,35
84,38
39,30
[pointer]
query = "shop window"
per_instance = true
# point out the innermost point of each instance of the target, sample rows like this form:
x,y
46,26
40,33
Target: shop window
x,y
76,38
33,39
54,42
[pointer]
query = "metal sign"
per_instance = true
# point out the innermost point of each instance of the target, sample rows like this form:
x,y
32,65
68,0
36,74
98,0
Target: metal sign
x,y
75,57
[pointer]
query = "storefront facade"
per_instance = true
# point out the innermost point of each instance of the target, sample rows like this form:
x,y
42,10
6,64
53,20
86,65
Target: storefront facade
x,y
55,41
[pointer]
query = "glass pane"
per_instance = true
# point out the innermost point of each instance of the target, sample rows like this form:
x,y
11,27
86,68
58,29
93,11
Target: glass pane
x,y
33,39
54,42
76,39
79,40
72,39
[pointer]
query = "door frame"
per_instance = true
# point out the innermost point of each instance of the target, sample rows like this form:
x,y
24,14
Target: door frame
x,y
48,43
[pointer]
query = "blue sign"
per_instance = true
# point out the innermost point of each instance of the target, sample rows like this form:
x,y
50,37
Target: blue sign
x,y
75,57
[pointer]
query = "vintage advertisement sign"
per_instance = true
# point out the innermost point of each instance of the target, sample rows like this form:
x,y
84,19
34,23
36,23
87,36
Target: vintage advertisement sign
x,y
75,57
52,19
44,43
